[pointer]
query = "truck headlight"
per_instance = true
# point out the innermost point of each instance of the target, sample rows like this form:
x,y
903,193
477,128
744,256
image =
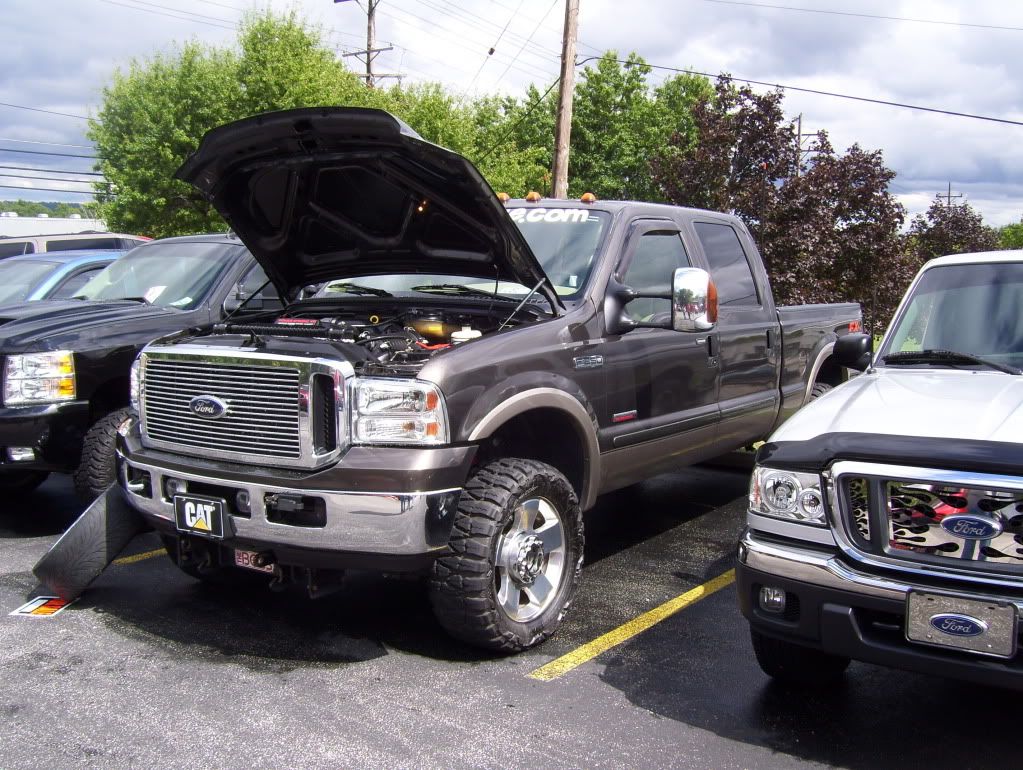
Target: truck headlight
x,y
134,389
39,378
787,495
398,412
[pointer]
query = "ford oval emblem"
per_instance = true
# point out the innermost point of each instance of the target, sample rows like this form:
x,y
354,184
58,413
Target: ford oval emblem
x,y
970,527
958,625
209,407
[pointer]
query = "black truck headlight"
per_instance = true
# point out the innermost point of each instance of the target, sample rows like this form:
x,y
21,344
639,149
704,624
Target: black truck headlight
x,y
398,412
39,378
787,495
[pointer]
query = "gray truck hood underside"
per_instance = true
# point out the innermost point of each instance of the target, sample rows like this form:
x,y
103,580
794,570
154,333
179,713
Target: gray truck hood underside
x,y
334,192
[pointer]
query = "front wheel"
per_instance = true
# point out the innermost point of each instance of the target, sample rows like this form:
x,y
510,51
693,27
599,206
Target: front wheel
x,y
514,558
794,664
97,468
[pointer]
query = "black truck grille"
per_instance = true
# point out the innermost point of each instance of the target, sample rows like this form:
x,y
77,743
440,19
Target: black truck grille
x,y
262,407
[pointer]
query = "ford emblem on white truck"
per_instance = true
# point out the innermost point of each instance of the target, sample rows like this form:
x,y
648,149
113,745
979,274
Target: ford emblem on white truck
x,y
209,407
970,527
958,625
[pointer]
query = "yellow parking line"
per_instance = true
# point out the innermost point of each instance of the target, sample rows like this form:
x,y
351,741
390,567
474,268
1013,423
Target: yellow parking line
x,y
626,631
136,557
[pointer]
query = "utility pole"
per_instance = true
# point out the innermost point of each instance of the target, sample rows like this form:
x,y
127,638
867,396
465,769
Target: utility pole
x,y
371,51
563,131
949,196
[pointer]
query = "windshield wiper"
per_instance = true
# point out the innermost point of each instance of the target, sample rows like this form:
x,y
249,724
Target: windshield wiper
x,y
354,288
459,290
950,357
143,300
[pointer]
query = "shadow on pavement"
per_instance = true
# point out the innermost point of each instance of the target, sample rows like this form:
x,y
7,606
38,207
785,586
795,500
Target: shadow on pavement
x,y
698,668
48,510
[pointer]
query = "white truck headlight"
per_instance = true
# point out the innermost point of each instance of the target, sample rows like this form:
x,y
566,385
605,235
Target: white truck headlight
x,y
787,495
134,388
39,378
398,412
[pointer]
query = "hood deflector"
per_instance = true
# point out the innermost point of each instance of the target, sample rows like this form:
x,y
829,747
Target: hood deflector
x,y
327,193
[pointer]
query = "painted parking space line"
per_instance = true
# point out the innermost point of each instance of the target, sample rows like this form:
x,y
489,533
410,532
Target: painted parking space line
x,y
137,557
626,631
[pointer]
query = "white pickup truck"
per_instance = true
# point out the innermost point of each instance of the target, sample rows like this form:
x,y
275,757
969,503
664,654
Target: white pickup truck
x,y
885,519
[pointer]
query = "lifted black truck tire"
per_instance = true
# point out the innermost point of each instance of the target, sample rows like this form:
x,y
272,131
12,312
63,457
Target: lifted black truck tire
x,y
794,664
514,558
97,469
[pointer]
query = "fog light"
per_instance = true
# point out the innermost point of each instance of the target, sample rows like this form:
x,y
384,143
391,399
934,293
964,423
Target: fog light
x,y
243,502
772,600
172,487
20,454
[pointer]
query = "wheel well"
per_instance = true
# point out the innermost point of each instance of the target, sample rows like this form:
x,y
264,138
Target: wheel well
x,y
831,373
547,435
111,395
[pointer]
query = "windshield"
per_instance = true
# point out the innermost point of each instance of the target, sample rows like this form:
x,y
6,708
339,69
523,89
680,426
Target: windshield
x,y
971,309
18,278
564,240
177,275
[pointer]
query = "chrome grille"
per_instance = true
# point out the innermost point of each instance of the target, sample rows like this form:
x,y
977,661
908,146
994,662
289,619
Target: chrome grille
x,y
262,416
901,515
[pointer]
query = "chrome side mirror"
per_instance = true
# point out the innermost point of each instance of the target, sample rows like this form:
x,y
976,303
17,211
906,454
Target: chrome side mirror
x,y
694,300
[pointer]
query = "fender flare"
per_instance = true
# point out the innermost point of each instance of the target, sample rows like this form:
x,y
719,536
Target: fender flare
x,y
822,356
551,398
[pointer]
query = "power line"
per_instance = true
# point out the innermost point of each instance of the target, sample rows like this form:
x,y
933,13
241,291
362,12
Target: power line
x,y
50,144
537,27
902,105
529,111
53,179
52,171
465,16
171,15
494,48
866,15
40,152
39,109
50,189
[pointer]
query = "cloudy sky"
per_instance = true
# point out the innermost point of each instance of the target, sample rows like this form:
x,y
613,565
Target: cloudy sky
x,y
940,54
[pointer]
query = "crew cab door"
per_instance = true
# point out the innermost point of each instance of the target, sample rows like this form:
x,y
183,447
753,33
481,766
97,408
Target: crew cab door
x,y
747,340
662,384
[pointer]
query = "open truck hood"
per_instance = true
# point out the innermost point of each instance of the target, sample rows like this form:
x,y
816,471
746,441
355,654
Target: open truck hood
x,y
333,192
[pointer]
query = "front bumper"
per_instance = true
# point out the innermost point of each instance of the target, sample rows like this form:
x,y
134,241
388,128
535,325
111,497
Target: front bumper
x,y
54,431
382,507
846,612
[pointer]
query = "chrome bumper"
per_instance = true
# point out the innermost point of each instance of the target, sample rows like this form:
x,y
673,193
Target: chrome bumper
x,y
399,524
826,571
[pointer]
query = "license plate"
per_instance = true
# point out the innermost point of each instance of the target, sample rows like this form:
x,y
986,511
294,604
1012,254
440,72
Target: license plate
x,y
246,559
199,515
983,627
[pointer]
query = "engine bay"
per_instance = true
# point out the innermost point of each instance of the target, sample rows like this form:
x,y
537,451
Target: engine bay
x,y
379,339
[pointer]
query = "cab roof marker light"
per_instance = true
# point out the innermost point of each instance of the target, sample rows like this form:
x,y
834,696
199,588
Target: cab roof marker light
x,y
588,198
503,197
533,196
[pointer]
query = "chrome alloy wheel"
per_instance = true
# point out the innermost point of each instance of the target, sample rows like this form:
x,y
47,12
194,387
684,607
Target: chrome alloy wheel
x,y
530,560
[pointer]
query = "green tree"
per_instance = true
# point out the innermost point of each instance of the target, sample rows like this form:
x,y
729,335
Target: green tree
x,y
827,225
950,228
154,115
1011,236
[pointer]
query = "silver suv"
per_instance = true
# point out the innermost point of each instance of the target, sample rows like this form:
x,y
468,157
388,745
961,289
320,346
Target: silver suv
x,y
32,244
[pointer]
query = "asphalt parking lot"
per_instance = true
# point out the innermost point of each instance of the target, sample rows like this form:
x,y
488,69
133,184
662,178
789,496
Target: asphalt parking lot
x,y
153,669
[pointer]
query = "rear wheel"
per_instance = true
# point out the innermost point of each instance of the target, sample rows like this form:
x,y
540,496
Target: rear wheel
x,y
97,468
795,664
20,482
514,558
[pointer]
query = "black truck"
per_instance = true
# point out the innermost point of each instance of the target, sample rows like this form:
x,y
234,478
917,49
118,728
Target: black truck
x,y
66,363
472,374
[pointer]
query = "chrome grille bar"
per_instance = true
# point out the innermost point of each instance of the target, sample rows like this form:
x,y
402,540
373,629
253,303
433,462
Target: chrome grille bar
x,y
269,404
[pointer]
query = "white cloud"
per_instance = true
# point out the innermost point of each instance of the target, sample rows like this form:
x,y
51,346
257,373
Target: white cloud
x,y
58,55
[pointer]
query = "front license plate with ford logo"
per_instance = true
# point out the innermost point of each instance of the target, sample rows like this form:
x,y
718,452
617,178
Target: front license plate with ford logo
x,y
199,515
973,625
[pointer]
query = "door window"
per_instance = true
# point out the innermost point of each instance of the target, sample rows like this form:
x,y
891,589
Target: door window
x,y
16,248
71,285
729,265
653,264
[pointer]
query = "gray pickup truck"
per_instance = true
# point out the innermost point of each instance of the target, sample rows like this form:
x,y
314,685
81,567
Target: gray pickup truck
x,y
471,375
